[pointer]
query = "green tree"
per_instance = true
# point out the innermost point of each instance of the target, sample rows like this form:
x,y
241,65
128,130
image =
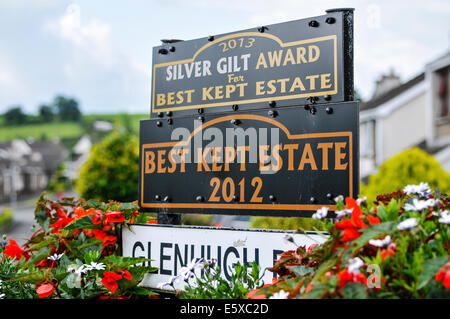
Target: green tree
x,y
46,113
14,116
67,108
409,167
288,223
112,169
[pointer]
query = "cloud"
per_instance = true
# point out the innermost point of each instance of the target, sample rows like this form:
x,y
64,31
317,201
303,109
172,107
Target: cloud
x,y
93,37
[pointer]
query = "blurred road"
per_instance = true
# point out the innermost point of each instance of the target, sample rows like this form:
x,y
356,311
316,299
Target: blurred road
x,y
23,219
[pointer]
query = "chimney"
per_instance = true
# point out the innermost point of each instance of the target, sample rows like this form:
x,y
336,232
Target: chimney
x,y
386,83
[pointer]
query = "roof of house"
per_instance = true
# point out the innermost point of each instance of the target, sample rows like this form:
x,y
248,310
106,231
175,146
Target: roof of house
x,y
392,93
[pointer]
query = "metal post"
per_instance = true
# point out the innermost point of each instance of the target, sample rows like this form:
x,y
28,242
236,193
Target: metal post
x,y
169,219
347,14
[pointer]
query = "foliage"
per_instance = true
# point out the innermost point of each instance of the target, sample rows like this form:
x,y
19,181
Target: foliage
x,y
204,280
74,253
36,131
67,108
409,167
46,113
14,116
197,219
398,249
287,223
6,218
59,182
111,171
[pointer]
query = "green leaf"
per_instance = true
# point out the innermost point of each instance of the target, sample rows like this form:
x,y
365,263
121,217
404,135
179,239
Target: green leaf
x,y
316,291
43,253
124,262
430,268
381,213
44,243
301,270
354,290
92,203
373,231
82,223
142,291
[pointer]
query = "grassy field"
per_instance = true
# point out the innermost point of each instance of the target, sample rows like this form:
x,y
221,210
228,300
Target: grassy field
x,y
65,130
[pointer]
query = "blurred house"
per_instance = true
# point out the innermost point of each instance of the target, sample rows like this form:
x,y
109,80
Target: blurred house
x,y
402,115
80,153
27,166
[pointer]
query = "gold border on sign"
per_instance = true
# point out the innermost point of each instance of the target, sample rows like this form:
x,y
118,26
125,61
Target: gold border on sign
x,y
244,34
290,136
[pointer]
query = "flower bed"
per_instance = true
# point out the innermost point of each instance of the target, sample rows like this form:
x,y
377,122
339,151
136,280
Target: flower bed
x,y
74,253
398,249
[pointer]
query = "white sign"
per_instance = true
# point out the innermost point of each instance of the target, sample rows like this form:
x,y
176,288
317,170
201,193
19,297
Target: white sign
x,y
172,247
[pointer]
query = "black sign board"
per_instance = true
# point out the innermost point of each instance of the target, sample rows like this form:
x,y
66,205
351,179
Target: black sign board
x,y
285,162
293,63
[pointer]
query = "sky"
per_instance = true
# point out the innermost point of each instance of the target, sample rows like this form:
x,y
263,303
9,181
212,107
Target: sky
x,y
100,51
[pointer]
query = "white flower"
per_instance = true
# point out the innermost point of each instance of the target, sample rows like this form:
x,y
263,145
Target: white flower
x,y
320,213
280,295
344,212
381,242
2,296
419,205
361,200
77,270
407,224
187,271
354,264
445,217
420,189
339,198
55,257
94,266
171,281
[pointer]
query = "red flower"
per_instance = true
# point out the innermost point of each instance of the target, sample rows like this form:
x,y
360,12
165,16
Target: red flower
x,y
373,220
114,217
80,212
360,278
310,248
152,221
126,274
61,213
309,287
356,213
109,240
99,234
44,290
13,250
97,217
253,294
444,275
346,277
349,234
61,223
346,223
135,214
109,280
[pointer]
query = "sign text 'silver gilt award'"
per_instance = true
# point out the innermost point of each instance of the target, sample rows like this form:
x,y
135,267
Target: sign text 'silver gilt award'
x,y
287,64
